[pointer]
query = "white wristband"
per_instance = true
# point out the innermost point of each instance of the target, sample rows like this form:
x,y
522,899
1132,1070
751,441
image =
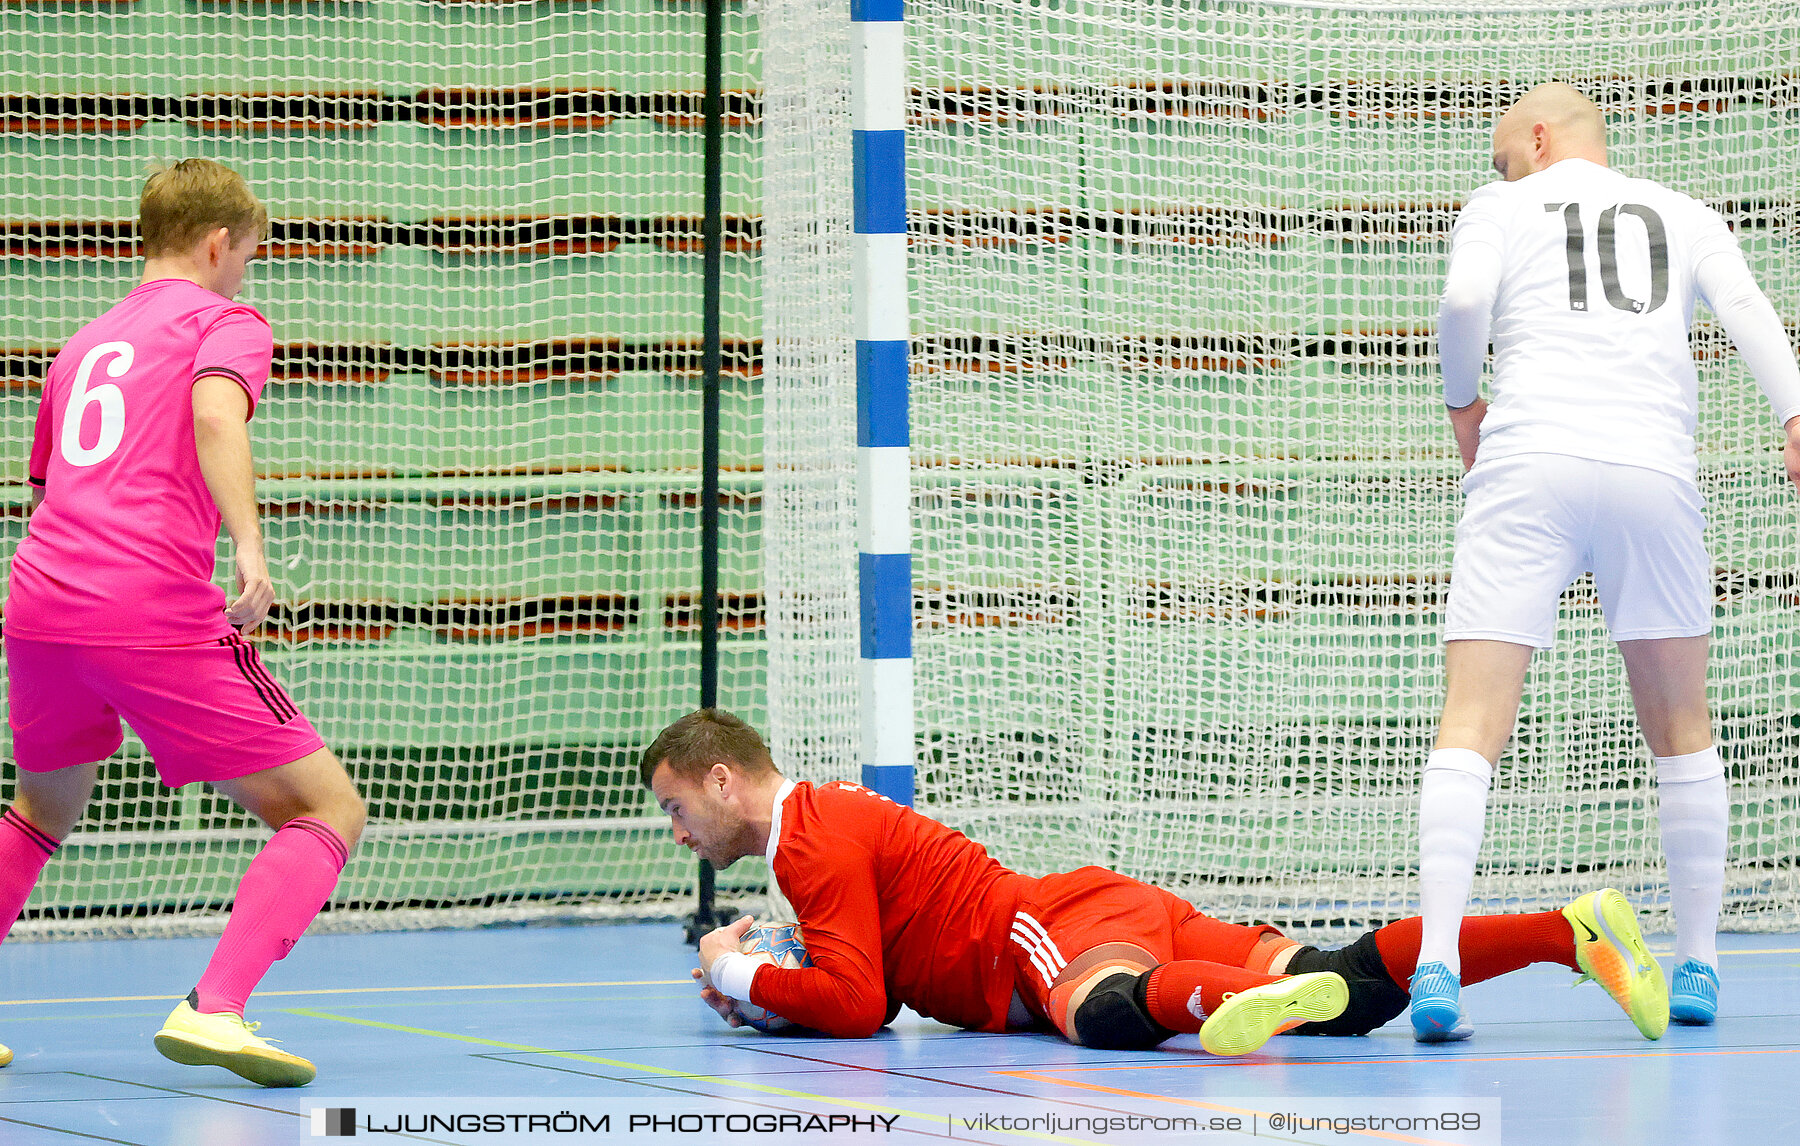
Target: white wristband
x,y
731,974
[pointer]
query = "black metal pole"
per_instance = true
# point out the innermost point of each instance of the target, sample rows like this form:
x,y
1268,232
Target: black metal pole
x,y
713,231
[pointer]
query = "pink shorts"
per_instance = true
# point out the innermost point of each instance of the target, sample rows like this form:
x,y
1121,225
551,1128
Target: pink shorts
x,y
206,712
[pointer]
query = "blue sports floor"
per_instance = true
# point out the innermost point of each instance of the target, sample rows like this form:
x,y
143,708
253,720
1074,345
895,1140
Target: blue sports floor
x,y
603,1019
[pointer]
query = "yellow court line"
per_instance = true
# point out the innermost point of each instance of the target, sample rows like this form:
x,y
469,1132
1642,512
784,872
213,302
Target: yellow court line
x,y
359,991
576,1056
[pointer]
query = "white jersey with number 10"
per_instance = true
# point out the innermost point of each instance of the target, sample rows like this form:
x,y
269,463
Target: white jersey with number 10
x,y
1590,326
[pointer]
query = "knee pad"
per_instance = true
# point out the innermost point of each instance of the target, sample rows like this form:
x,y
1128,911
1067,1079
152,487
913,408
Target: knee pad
x,y
1114,1016
1375,998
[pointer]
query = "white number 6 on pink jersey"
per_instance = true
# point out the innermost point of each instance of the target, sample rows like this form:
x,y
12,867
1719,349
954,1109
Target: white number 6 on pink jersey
x,y
110,399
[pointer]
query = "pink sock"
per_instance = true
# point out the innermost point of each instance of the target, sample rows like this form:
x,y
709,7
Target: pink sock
x,y
288,882
24,850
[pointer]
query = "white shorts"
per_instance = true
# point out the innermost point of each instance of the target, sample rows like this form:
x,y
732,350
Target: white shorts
x,y
1535,522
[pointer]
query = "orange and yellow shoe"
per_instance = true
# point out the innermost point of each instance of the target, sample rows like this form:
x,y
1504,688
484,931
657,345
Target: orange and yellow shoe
x,y
1610,950
194,1038
1248,1019
5,1056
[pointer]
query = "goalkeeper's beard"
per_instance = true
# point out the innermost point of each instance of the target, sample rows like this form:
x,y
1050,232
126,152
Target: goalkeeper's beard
x,y
734,847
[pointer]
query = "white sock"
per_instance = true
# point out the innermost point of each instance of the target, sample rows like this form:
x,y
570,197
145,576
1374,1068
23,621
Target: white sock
x,y
1695,800
1452,810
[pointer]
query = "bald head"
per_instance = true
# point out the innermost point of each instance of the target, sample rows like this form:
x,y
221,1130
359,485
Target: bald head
x,y
1550,123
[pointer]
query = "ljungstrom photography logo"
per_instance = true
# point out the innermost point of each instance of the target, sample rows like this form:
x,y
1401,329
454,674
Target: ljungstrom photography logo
x,y
334,1122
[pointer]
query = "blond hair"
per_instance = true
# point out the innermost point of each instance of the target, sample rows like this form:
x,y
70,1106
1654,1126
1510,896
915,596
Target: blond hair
x,y
182,204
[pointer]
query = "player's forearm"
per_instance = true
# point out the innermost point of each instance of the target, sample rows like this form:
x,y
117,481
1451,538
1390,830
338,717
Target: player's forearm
x,y
1465,318
843,1002
1461,357
1790,451
223,446
1466,425
841,1007
1755,329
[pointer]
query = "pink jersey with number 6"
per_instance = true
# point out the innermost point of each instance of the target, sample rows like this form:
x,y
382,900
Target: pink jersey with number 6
x,y
122,550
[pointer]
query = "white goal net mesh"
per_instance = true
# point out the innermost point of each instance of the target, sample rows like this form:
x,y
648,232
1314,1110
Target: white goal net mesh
x,y
1183,485
480,448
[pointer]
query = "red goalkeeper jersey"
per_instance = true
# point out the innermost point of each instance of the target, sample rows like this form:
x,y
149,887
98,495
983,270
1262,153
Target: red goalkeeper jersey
x,y
895,908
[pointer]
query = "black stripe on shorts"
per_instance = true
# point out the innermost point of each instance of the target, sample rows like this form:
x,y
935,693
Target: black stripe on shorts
x,y
250,665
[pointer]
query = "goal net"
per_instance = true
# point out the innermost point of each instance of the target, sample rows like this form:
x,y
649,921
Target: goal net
x,y
1183,486
480,448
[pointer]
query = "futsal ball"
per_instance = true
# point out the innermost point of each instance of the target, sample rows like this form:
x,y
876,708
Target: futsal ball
x,y
780,944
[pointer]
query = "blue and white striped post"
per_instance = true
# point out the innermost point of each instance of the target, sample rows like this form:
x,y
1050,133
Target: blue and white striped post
x,y
883,439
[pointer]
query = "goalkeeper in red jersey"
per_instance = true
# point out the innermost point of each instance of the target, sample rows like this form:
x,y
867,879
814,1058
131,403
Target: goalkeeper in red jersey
x,y
898,909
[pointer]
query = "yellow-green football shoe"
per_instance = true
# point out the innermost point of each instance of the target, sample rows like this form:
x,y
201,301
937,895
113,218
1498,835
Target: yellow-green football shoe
x,y
1248,1019
194,1038
1610,950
